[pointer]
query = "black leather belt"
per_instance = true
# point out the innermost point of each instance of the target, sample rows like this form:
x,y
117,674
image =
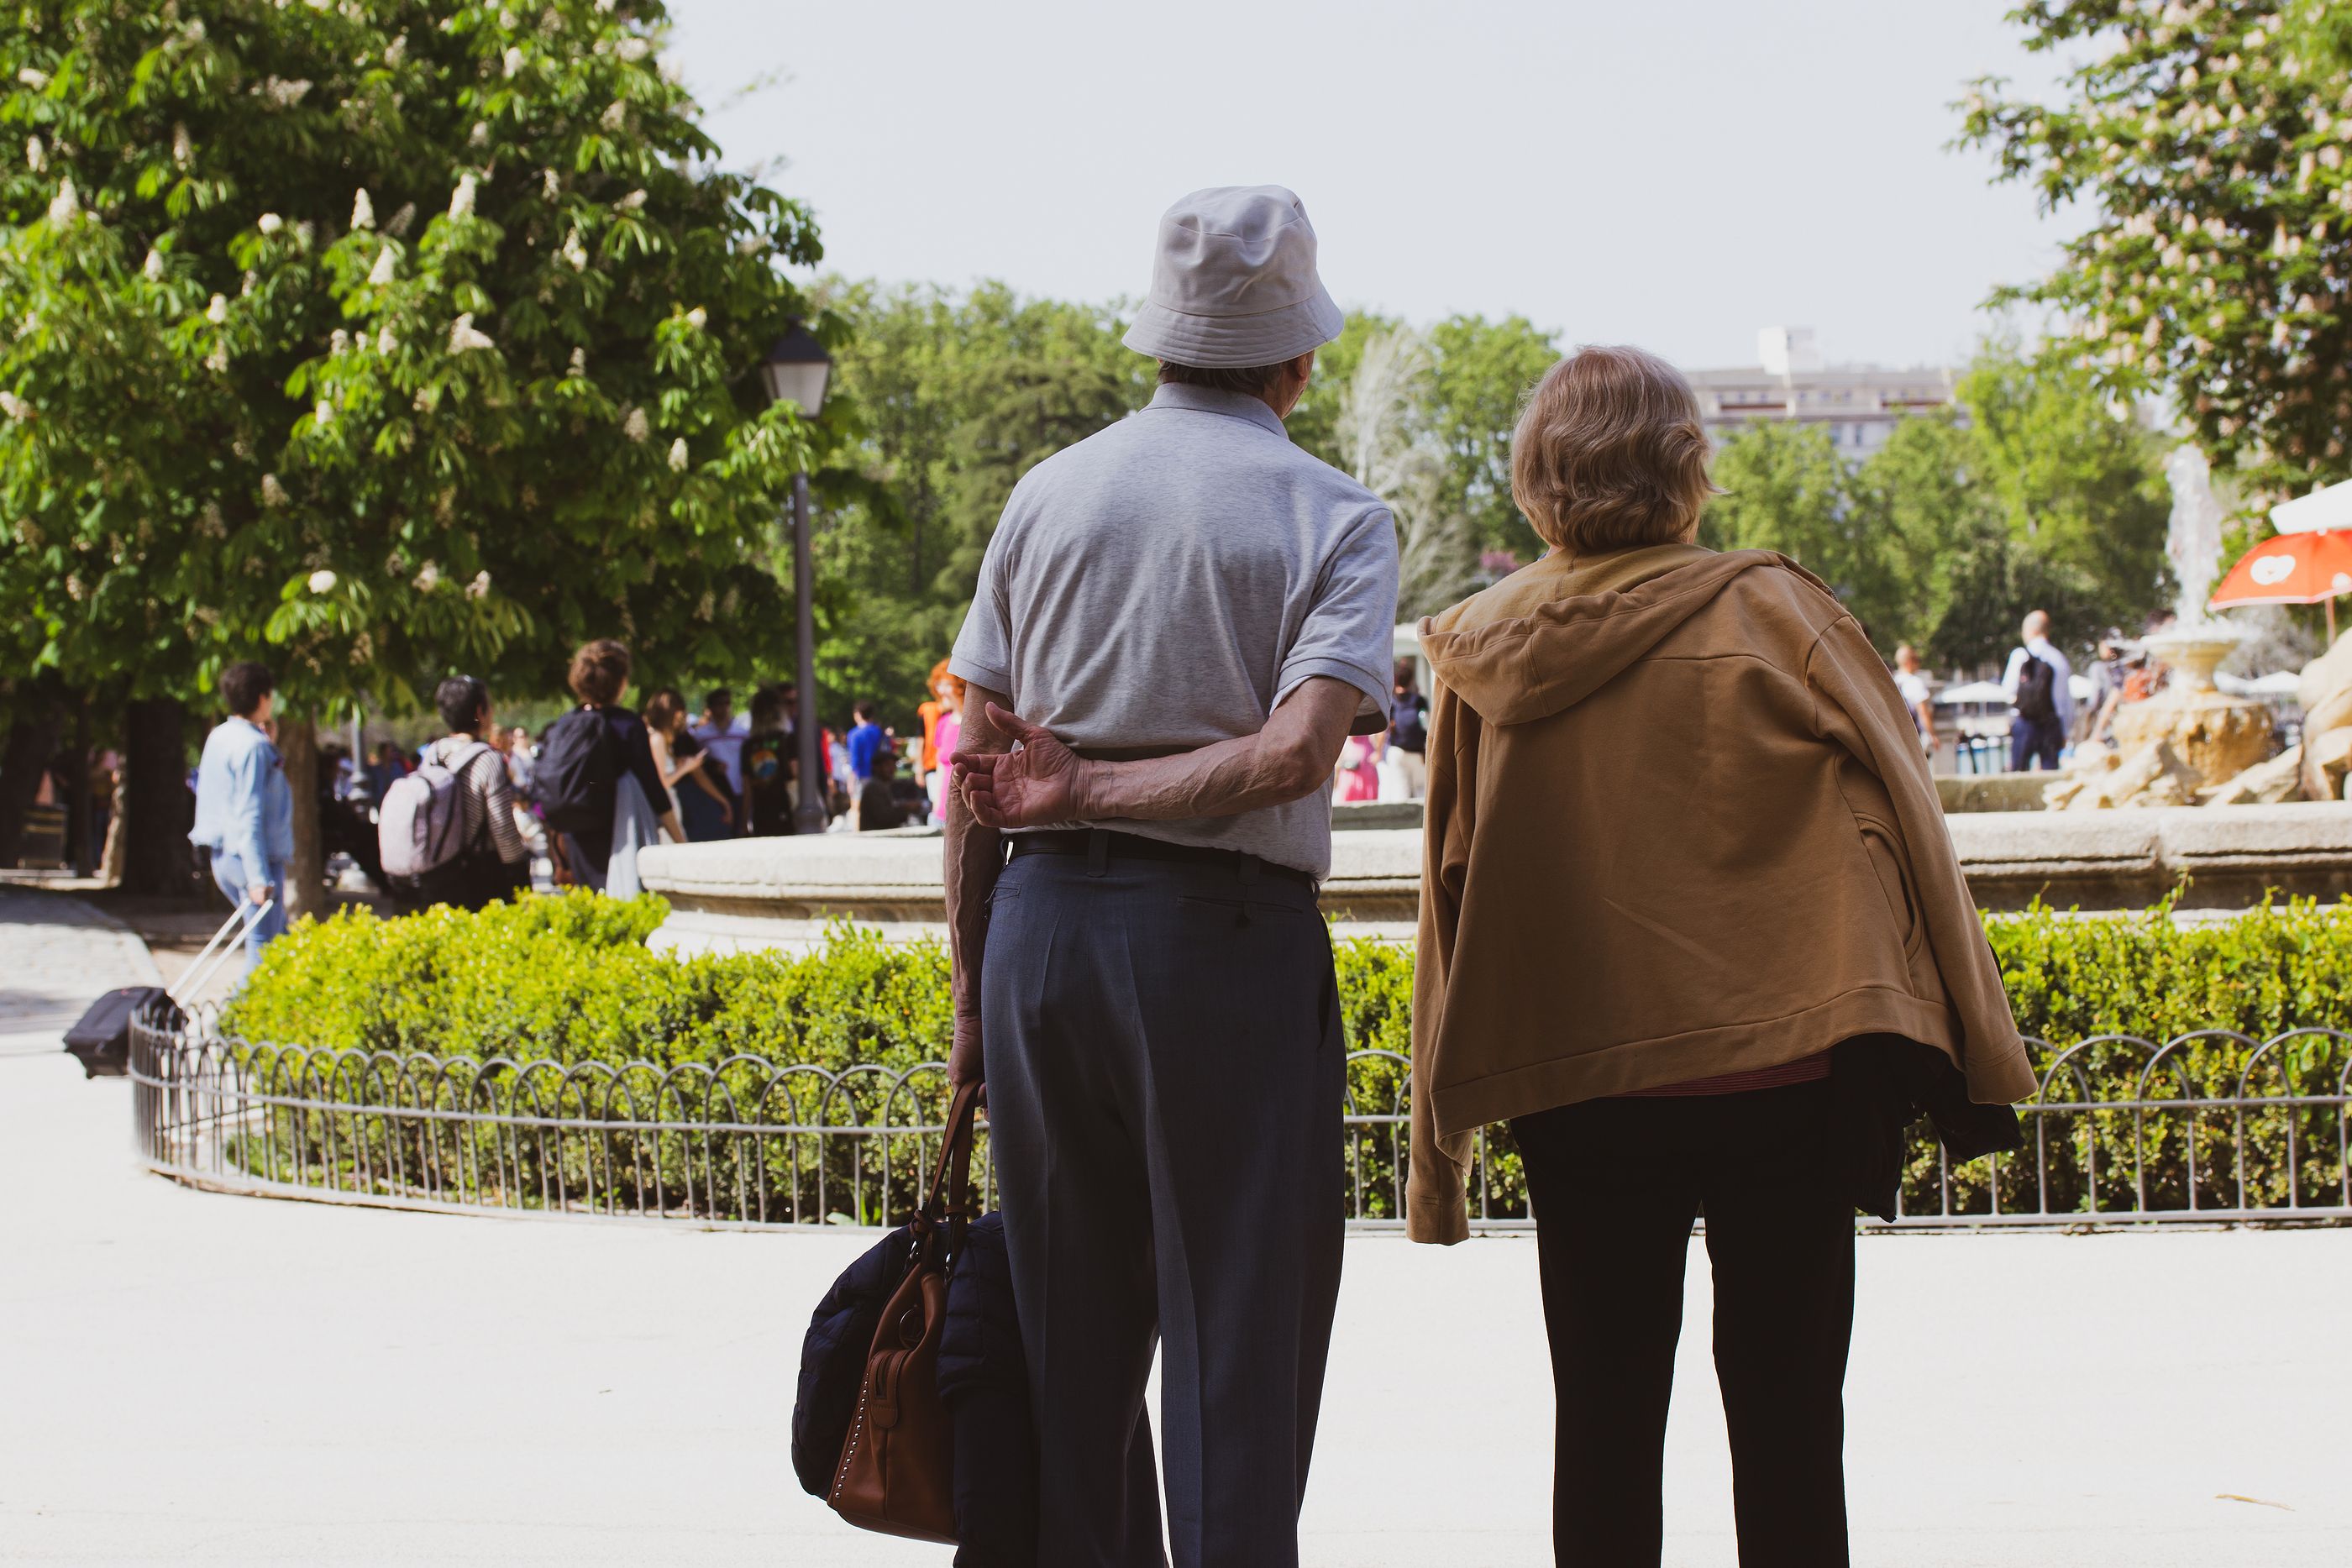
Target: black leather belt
x,y
1102,842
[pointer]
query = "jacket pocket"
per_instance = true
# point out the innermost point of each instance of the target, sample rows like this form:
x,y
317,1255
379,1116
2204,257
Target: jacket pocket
x,y
1893,867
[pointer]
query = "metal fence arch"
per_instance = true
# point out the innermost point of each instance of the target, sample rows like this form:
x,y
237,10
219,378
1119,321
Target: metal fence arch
x,y
2211,1127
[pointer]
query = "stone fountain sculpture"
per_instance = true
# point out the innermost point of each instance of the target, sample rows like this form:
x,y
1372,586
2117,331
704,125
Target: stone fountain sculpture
x,y
2192,742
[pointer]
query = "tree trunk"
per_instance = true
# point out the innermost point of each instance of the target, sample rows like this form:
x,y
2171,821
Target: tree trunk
x,y
158,808
306,874
32,741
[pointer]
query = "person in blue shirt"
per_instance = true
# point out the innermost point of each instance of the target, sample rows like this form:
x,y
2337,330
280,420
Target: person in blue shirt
x,y
863,740
245,813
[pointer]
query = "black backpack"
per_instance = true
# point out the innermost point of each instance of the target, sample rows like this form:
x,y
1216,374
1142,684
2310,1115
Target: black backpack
x,y
2035,681
578,768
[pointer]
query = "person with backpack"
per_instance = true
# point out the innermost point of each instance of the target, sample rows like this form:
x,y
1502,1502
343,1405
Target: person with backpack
x,y
596,773
2039,683
447,833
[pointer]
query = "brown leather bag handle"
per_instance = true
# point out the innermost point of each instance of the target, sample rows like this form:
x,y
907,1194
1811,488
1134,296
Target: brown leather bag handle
x,y
951,1175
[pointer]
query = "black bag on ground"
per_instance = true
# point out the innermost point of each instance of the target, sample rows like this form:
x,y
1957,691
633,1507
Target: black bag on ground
x,y
984,1382
2036,679
833,1358
578,768
100,1042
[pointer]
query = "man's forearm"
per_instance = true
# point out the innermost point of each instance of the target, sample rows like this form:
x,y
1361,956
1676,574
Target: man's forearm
x,y
1290,758
973,857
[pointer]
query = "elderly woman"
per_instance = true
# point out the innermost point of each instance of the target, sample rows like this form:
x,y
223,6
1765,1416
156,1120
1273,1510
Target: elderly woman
x,y
1691,924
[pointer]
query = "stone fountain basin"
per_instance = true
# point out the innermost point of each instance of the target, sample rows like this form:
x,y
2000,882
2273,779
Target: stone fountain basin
x,y
782,892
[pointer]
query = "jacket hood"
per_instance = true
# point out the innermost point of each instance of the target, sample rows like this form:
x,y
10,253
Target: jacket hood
x,y
1514,662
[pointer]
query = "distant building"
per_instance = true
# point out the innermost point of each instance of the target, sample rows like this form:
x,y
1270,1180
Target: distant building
x,y
1858,404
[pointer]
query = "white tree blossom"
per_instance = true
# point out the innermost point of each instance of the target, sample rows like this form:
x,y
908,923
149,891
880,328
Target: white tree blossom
x,y
697,318
394,49
463,335
270,223
677,456
273,494
285,94
381,272
36,156
322,581
636,426
550,183
575,253
66,206
153,269
428,577
384,340
14,407
633,48
322,415
616,115
480,586
182,150
513,60
363,210
217,311
630,202
461,201
580,359
38,81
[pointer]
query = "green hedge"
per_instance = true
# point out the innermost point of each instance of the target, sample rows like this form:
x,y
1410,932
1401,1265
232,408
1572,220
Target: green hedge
x,y
568,980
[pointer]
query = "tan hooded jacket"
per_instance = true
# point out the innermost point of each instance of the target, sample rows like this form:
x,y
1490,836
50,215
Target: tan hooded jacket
x,y
1678,825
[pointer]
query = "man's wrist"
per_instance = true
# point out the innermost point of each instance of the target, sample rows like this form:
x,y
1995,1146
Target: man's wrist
x,y
1085,785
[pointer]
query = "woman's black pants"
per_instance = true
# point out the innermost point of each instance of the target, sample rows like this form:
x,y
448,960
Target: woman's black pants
x,y
1616,1185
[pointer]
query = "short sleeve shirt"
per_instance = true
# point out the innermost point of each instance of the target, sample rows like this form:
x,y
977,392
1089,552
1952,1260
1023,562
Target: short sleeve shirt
x,y
1166,583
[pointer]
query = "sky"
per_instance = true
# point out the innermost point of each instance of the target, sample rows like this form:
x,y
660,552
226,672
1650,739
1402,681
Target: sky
x,y
1676,173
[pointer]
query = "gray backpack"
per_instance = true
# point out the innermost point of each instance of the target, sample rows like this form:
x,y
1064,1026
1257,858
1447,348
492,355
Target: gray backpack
x,y
421,826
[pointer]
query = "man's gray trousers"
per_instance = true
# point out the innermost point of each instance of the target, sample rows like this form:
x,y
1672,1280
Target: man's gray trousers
x,y
1164,1072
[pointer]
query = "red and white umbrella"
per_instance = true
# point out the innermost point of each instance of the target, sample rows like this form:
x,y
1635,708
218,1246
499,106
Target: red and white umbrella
x,y
2293,569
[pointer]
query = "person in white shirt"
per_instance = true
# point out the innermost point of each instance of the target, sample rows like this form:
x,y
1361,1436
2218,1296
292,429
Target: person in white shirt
x,y
1915,697
2042,705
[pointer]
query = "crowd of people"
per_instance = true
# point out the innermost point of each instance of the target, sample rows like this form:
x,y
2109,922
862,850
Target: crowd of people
x,y
2047,717
462,819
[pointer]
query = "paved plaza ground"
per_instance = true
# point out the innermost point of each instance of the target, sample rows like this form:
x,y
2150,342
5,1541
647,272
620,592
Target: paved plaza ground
x,y
195,1379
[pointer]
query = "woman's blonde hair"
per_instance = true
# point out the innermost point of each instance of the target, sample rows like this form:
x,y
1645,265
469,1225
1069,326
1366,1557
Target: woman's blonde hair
x,y
1610,453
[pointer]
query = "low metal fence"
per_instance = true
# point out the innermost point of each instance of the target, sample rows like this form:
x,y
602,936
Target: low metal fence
x,y
2212,1127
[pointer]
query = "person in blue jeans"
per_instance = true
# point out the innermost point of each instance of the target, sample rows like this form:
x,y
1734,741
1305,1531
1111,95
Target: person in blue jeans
x,y
245,813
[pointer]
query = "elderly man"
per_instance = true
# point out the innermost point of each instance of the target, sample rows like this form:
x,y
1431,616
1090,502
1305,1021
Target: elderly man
x,y
1203,613
2042,697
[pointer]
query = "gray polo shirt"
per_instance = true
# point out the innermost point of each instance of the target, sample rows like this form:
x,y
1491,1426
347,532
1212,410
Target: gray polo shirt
x,y
1166,582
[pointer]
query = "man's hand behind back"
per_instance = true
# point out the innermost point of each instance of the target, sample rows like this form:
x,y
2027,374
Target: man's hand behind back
x,y
1026,788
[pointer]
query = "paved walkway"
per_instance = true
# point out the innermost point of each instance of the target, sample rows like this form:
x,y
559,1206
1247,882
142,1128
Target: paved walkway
x,y
56,954
193,1378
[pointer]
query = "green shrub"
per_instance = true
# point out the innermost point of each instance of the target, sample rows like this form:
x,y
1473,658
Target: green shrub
x,y
566,981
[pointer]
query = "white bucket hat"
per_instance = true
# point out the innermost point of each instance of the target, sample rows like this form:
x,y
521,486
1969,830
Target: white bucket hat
x,y
1233,284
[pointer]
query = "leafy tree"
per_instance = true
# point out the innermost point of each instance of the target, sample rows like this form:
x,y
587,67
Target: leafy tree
x,y
1786,488
2036,492
1923,498
2210,141
380,341
961,394
1485,371
1479,373
2078,482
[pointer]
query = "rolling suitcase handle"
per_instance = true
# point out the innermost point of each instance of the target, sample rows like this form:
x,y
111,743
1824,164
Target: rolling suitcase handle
x,y
193,979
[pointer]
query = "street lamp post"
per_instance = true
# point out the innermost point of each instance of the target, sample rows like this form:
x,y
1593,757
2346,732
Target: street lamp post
x,y
795,371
